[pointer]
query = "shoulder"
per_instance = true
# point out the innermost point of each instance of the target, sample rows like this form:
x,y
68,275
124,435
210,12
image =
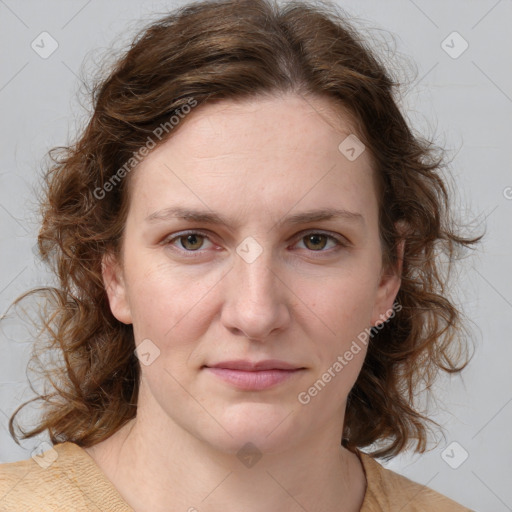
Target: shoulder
x,y
44,482
63,477
389,491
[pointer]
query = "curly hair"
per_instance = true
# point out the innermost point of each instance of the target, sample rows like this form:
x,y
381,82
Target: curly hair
x,y
230,50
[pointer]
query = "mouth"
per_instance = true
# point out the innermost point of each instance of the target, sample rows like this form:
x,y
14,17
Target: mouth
x,y
253,376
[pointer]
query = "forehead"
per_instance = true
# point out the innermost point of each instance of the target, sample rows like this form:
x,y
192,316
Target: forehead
x,y
278,151
270,124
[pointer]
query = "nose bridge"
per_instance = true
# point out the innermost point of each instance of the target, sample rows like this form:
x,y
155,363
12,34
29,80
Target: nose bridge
x,y
254,271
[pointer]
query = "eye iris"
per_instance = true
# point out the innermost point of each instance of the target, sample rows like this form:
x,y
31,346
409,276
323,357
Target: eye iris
x,y
194,240
316,240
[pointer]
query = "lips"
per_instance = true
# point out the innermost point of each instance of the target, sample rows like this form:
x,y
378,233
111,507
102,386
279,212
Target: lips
x,y
249,366
252,375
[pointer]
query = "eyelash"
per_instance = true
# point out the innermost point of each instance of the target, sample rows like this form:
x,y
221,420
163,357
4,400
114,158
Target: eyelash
x,y
340,242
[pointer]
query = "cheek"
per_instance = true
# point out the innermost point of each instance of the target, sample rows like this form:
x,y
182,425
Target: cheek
x,y
168,305
345,308
343,301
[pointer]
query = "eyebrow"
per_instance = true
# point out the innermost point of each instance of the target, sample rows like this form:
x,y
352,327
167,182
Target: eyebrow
x,y
209,217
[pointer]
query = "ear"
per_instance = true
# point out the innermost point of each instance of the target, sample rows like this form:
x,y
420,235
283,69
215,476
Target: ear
x,y
114,282
389,285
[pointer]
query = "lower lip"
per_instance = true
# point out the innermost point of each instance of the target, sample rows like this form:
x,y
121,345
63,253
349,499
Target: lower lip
x,y
253,380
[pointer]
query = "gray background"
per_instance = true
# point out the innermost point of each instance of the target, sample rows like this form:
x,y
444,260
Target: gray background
x,y
466,102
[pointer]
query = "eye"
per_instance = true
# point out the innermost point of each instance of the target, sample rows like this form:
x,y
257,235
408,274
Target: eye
x,y
190,241
317,242
194,241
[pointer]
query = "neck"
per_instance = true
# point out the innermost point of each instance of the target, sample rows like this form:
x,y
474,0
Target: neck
x,y
158,471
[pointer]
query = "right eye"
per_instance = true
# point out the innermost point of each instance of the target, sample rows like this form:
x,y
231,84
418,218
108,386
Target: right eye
x,y
189,241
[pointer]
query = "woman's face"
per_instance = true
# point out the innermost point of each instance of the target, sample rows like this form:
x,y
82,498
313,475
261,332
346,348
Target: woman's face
x,y
236,248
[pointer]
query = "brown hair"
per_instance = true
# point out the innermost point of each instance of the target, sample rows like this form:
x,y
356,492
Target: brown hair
x,y
210,51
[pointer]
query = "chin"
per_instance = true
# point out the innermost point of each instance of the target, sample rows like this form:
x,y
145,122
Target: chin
x,y
269,427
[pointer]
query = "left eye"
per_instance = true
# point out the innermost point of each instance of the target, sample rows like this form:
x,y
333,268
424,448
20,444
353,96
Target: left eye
x,y
318,241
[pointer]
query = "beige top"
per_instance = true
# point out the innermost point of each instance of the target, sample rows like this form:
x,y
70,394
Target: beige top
x,y
74,482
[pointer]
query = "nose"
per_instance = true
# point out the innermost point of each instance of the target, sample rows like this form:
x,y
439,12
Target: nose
x,y
256,299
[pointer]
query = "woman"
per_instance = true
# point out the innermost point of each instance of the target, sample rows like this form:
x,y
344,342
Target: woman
x,y
247,238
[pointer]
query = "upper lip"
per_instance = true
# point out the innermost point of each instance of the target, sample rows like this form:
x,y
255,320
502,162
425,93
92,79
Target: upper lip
x,y
253,366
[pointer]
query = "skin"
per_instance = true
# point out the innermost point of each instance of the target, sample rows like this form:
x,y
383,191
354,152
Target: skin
x,y
254,162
